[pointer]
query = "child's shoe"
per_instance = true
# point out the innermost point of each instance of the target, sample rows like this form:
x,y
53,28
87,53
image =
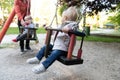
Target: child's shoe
x,y
33,60
14,40
39,69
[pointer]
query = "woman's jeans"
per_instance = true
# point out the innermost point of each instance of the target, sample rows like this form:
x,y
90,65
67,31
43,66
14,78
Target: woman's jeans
x,y
54,55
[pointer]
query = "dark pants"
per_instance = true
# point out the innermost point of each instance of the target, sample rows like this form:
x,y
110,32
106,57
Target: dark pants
x,y
23,36
21,42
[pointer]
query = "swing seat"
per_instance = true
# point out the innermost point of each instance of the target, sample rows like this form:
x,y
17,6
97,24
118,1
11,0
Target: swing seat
x,y
74,60
29,36
69,59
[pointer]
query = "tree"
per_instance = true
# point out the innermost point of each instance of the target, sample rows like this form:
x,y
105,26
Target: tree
x,y
116,17
87,7
5,7
93,6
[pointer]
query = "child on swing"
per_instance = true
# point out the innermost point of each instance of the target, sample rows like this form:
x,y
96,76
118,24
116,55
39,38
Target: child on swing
x,y
61,42
29,24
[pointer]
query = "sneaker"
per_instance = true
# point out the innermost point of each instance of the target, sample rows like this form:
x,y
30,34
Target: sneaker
x,y
14,40
39,69
33,61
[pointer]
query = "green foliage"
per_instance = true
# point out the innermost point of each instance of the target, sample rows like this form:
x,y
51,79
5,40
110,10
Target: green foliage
x,y
6,5
116,17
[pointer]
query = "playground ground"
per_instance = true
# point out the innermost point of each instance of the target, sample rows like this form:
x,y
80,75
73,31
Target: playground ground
x,y
101,62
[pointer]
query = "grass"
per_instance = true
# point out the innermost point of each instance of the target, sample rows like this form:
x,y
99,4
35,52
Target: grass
x,y
100,39
14,30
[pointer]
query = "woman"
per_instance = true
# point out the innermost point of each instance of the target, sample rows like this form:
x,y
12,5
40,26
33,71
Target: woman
x,y
22,8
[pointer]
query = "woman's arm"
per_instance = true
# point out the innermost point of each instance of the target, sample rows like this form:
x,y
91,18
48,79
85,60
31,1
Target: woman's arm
x,y
17,9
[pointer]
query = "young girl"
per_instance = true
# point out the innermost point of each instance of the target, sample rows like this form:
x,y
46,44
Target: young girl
x,y
61,43
28,24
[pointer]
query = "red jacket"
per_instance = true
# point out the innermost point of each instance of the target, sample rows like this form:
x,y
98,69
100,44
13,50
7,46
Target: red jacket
x,y
21,9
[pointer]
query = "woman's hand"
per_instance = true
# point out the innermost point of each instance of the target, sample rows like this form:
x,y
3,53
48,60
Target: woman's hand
x,y
22,22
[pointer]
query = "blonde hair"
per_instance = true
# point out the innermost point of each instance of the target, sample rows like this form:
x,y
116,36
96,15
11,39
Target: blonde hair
x,y
28,17
71,13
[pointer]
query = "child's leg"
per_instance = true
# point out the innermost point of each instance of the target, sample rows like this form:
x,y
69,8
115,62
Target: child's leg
x,y
55,54
45,64
15,40
40,54
21,36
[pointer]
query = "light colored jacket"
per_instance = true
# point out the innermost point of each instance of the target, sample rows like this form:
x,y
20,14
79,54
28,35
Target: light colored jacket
x,y
29,26
63,39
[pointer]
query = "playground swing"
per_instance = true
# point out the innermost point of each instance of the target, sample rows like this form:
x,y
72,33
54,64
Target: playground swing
x,y
30,36
70,59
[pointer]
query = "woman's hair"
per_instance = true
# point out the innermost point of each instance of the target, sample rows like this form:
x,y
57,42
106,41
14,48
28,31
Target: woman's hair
x,y
71,13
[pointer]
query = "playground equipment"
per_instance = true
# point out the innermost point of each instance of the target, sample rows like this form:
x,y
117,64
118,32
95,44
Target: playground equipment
x,y
6,25
70,59
29,36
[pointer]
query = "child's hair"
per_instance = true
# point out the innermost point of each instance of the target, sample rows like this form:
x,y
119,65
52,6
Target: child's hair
x,y
71,13
27,17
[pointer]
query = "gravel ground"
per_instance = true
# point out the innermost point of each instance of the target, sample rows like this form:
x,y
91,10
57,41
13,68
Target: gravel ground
x,y
101,62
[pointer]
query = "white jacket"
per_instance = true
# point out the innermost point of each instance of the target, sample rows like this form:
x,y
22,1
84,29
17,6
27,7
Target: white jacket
x,y
63,39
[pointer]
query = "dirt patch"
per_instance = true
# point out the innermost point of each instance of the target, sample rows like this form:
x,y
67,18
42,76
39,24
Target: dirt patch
x,y
101,62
